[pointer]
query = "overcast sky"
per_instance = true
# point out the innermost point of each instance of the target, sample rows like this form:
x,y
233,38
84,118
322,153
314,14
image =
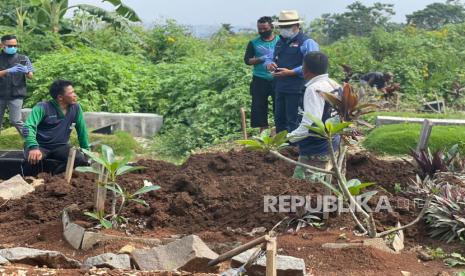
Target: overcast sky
x,y
245,12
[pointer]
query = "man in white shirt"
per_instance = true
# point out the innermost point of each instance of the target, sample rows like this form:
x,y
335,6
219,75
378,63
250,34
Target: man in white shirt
x,y
314,150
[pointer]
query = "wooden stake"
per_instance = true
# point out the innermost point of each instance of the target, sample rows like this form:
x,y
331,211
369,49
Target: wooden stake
x,y
101,191
424,135
244,125
271,263
70,164
327,191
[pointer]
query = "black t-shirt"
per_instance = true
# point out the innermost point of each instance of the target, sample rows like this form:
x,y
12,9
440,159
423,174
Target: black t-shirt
x,y
375,79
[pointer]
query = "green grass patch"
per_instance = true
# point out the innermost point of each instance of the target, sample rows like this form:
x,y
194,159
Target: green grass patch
x,y
371,117
397,139
121,142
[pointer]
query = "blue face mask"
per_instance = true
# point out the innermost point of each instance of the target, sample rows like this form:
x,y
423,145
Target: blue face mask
x,y
10,50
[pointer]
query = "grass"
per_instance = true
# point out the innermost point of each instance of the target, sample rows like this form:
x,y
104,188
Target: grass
x,y
371,117
121,142
397,139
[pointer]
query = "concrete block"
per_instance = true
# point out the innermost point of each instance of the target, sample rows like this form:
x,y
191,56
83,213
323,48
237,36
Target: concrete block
x,y
138,124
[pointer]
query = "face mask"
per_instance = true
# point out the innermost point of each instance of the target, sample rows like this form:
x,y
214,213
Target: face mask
x,y
266,34
286,33
10,50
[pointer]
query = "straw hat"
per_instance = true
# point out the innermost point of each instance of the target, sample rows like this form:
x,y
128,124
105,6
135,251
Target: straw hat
x,y
286,18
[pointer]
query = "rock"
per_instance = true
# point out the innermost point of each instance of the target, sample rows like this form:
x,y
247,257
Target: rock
x,y
90,239
398,242
127,249
286,265
15,188
187,254
51,259
378,243
72,232
422,255
258,230
108,260
4,261
406,273
341,245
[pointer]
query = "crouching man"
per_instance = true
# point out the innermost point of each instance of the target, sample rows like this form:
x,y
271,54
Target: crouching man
x,y
314,150
48,127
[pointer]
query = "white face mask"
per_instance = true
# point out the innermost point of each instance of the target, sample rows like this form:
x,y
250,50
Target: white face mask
x,y
286,33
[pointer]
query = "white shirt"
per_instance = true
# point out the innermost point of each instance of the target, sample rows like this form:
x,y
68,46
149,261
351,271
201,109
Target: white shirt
x,y
314,104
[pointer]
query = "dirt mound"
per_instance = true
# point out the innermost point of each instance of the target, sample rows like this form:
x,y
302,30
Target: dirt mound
x,y
210,191
386,174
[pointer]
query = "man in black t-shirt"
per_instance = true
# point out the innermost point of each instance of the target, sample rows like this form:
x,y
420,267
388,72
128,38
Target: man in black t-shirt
x,y
376,79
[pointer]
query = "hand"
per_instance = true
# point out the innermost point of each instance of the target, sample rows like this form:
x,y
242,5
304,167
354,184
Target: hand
x,y
35,156
271,67
283,72
18,68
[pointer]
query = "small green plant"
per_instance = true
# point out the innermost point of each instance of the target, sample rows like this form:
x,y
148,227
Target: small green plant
x,y
436,253
111,168
307,219
100,217
398,188
455,259
127,196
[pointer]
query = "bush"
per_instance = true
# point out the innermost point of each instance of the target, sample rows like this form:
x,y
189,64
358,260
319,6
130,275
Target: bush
x,y
104,81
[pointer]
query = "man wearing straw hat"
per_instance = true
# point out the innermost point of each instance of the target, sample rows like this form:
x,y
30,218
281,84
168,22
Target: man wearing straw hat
x,y
286,67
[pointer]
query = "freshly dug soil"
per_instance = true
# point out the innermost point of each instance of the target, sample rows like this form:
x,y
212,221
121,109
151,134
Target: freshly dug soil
x,y
208,195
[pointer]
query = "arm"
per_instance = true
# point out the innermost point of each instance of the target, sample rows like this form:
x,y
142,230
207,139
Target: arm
x,y
249,57
81,130
30,69
30,127
308,46
313,104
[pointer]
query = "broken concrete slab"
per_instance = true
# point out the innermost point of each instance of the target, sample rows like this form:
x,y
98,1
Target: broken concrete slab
x,y
51,259
286,265
187,254
15,188
108,260
4,261
376,243
90,239
72,232
398,241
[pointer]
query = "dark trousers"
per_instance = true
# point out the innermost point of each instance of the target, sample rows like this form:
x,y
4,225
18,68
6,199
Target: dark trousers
x,y
286,112
59,153
260,89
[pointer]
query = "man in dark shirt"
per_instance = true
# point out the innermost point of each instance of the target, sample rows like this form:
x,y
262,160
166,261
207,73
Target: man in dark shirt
x,y
261,86
376,79
48,127
14,69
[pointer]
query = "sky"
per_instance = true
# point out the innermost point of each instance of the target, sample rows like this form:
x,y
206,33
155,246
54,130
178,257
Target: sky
x,y
245,12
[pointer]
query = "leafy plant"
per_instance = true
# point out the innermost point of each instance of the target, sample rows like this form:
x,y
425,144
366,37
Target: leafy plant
x,y
456,259
398,188
347,105
446,217
111,168
429,163
127,196
307,219
100,217
437,253
266,142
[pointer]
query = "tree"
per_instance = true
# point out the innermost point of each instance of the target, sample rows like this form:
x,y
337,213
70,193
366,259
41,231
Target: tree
x,y
359,20
436,15
48,15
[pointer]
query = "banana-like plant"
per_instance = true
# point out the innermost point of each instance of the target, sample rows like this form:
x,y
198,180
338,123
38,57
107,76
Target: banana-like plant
x,y
111,169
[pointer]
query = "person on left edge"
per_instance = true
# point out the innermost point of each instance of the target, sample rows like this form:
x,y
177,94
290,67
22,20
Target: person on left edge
x,y
48,127
14,69
261,87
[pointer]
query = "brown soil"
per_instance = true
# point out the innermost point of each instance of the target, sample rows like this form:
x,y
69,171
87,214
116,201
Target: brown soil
x,y
210,195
